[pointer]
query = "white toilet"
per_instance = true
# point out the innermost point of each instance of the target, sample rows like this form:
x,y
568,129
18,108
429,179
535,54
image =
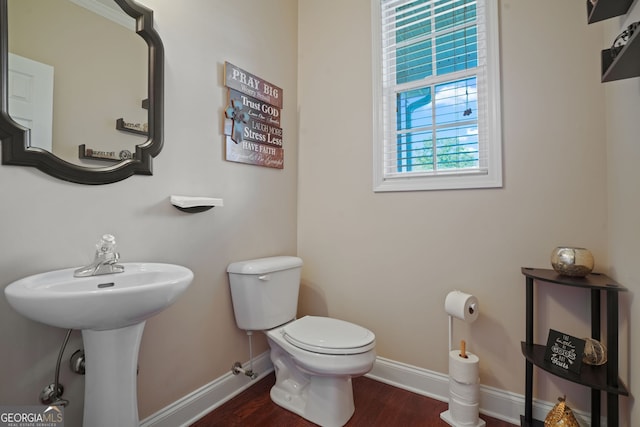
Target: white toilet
x,y
314,357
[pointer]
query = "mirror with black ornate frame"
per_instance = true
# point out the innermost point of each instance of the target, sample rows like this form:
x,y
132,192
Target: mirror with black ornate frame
x,y
15,138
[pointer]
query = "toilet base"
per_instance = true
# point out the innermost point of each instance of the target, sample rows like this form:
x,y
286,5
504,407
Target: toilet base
x,y
323,400
326,401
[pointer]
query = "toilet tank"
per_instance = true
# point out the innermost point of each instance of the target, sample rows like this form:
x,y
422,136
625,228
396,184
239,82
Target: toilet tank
x,y
265,291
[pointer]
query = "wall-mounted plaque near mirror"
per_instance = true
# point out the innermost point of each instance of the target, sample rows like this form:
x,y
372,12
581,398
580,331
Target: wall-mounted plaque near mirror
x,y
81,93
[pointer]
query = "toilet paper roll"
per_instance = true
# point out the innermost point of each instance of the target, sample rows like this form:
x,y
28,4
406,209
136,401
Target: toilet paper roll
x,y
464,413
462,306
464,370
468,393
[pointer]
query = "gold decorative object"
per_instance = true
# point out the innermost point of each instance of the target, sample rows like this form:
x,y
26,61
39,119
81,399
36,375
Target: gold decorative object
x,y
595,353
569,261
561,416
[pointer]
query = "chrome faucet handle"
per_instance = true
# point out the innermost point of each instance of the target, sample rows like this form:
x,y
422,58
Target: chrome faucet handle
x,y
107,243
106,248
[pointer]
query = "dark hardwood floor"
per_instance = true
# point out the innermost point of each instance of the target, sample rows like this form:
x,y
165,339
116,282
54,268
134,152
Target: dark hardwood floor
x,y
377,404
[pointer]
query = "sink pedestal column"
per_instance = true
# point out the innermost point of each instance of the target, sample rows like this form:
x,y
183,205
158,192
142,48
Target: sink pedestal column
x,y
111,363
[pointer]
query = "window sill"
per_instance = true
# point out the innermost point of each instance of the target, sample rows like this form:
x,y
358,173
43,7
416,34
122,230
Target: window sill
x,y
445,181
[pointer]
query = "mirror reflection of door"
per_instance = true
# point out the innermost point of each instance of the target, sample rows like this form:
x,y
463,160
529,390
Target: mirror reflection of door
x,y
30,95
100,73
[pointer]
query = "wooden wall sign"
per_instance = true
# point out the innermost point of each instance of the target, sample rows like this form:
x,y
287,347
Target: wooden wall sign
x,y
252,119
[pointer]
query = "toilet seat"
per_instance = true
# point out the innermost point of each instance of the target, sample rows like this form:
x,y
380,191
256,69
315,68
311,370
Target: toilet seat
x,y
328,336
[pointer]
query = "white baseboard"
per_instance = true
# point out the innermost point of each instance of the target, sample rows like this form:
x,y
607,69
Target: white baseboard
x,y
495,403
196,404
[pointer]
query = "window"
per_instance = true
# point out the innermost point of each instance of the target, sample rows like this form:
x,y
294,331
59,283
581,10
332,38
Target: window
x,y
436,95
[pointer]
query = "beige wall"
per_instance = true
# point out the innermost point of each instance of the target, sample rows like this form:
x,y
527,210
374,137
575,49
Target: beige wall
x,y
387,261
49,224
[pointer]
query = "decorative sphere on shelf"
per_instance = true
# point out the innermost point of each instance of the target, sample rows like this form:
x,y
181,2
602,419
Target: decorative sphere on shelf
x,y
569,261
595,353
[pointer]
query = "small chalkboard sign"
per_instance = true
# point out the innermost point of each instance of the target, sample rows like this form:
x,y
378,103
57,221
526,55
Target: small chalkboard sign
x,y
564,351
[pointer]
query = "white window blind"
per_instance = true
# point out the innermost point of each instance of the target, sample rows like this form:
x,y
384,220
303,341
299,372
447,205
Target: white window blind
x,y
436,94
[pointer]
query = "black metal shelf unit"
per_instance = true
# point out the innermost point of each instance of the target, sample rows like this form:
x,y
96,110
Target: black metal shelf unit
x,y
599,378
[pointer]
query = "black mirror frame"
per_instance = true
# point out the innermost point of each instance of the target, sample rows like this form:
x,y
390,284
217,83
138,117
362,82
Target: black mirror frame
x,y
15,138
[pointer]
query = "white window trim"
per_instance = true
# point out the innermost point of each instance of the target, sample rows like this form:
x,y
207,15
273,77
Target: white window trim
x,y
491,177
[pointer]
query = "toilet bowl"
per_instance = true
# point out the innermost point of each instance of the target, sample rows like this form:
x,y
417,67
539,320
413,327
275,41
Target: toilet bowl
x,y
314,357
313,375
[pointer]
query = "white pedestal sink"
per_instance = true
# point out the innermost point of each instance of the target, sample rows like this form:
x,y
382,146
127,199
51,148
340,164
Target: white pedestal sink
x,y
111,311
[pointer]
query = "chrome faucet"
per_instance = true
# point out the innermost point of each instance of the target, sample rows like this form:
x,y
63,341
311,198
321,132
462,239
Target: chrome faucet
x,y
105,261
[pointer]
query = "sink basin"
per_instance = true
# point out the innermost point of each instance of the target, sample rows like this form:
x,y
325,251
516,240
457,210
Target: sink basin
x,y
111,310
108,301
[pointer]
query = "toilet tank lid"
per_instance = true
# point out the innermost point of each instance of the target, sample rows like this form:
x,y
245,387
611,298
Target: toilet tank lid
x,y
264,265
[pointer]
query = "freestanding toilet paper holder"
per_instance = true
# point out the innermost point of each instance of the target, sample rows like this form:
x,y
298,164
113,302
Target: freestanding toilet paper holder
x,y
468,312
